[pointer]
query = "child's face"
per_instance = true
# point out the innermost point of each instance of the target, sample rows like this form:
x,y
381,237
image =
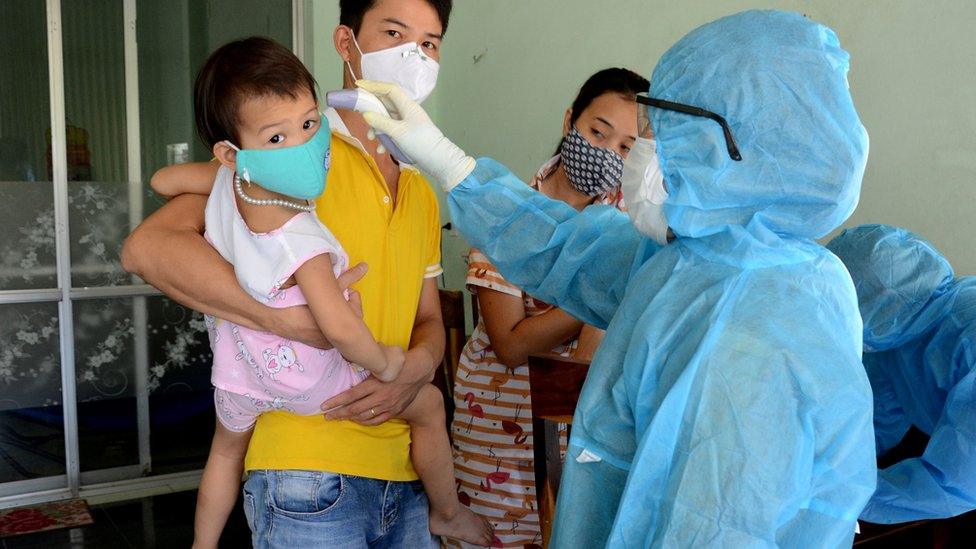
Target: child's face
x,y
273,122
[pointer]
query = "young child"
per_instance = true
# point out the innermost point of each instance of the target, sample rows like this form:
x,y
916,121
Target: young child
x,y
256,107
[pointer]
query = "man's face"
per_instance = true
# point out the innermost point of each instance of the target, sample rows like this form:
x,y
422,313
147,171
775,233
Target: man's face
x,y
388,24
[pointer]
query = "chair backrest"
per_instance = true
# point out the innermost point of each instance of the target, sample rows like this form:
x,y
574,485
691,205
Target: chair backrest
x,y
452,312
474,310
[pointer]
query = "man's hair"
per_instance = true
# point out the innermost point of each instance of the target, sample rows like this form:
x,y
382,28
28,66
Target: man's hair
x,y
241,70
351,12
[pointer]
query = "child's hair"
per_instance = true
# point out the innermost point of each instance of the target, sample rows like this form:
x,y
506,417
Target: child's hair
x,y
241,70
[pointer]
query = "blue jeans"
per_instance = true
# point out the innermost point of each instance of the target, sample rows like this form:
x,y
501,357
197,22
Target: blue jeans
x,y
290,509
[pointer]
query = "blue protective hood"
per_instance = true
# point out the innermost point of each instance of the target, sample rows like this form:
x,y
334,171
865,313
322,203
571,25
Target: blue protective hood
x,y
727,405
780,80
903,283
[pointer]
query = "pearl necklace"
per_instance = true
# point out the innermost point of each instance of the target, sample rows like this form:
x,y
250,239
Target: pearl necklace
x,y
307,207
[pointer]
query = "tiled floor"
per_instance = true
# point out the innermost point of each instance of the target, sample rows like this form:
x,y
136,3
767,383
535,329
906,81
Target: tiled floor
x,y
181,424
164,521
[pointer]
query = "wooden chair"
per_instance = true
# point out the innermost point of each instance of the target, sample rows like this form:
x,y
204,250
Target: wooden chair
x,y
452,311
555,383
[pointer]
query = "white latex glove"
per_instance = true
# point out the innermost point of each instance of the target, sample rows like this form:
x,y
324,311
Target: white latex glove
x,y
417,136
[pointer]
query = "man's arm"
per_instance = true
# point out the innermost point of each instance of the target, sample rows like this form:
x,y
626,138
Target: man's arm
x,y
168,251
427,340
372,402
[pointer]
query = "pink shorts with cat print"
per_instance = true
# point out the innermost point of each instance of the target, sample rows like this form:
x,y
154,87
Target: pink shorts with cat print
x,y
256,372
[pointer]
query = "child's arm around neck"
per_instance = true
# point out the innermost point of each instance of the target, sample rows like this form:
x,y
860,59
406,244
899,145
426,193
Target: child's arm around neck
x,y
189,178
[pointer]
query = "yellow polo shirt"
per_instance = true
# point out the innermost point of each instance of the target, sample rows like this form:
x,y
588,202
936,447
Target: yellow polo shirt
x,y
401,245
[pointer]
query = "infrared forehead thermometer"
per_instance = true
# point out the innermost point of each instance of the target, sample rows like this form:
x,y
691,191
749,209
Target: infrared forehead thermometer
x,y
361,100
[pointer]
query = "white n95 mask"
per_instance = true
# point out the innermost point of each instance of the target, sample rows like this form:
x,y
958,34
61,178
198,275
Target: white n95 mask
x,y
405,65
644,191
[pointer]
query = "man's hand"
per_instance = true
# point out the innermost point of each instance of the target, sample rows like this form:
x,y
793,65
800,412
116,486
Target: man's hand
x,y
372,402
297,323
354,299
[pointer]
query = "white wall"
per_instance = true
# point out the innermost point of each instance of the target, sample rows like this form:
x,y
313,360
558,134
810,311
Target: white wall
x,y
913,78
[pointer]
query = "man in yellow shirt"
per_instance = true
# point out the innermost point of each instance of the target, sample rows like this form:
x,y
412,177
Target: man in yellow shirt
x,y
346,482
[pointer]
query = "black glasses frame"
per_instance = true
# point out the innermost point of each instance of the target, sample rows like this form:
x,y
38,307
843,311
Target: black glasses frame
x,y
696,111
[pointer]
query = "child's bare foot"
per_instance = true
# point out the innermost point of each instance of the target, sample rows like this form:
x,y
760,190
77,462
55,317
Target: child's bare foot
x,y
465,526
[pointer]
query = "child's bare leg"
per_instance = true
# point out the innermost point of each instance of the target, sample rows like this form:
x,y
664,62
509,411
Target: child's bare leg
x,y
219,486
430,451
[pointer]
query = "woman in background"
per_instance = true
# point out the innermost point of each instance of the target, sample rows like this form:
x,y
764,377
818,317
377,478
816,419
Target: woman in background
x,y
492,429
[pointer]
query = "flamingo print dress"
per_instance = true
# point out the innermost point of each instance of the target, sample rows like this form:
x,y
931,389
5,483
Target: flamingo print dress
x,y
492,428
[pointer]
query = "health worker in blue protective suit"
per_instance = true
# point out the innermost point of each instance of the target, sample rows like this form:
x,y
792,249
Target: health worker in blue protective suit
x,y
727,405
920,355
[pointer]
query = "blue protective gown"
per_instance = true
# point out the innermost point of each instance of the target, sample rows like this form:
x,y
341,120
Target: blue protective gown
x,y
727,405
920,355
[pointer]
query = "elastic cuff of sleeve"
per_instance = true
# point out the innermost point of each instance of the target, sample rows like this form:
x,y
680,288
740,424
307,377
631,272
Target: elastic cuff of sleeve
x,y
458,175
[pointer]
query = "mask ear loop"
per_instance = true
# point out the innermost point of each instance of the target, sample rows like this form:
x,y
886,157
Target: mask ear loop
x,y
245,176
361,54
351,72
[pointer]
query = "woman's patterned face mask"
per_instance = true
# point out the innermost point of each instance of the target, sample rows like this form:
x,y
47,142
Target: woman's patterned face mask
x,y
592,171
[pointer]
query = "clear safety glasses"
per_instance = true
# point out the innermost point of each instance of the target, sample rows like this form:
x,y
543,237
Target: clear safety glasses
x,y
644,124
